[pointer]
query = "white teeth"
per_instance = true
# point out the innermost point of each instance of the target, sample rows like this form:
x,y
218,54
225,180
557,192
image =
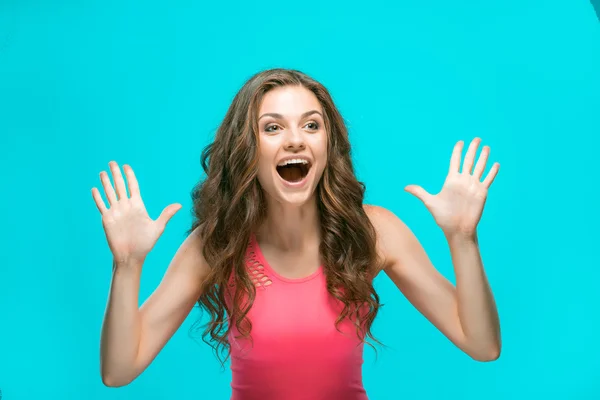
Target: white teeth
x,y
293,161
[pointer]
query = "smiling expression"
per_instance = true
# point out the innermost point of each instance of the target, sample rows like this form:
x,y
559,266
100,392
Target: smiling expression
x,y
293,144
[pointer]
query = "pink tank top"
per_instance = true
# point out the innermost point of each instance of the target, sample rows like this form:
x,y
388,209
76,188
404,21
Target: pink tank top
x,y
297,352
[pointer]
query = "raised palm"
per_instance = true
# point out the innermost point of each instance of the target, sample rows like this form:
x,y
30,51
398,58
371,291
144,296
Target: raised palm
x,y
458,207
130,232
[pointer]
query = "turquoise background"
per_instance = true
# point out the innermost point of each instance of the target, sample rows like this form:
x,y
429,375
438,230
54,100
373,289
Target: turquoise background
x,y
147,83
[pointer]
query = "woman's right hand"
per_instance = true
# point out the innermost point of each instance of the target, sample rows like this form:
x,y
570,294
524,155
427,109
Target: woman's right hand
x,y
130,232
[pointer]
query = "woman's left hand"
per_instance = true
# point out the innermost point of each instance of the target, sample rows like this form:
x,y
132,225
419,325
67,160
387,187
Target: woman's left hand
x,y
458,207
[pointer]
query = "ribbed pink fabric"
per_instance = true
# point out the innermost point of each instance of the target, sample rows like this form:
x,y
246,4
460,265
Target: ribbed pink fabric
x,y
297,354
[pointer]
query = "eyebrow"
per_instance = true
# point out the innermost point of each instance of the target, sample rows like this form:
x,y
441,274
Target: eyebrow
x,y
279,116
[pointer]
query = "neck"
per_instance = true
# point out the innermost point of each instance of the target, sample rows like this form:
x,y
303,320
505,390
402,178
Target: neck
x,y
291,228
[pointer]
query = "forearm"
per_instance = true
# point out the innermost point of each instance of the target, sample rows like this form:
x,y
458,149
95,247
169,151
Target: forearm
x,y
476,306
121,327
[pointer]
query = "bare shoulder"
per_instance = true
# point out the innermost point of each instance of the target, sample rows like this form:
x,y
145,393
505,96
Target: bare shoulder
x,y
375,212
392,232
189,257
383,219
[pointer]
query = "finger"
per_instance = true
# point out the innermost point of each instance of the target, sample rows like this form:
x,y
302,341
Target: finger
x,y
480,166
455,159
168,213
132,183
108,189
98,200
118,179
419,193
470,156
489,179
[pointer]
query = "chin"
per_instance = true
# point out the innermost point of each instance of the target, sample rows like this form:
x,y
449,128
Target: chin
x,y
295,199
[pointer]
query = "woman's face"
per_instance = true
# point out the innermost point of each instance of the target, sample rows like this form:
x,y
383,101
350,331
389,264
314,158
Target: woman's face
x,y
293,144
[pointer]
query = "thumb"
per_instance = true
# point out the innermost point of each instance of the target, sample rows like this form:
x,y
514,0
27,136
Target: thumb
x,y
168,213
418,192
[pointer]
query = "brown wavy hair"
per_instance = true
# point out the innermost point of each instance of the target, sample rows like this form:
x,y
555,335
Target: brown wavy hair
x,y
229,205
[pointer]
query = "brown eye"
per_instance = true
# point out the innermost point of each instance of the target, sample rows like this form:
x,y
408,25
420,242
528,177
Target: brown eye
x,y
314,125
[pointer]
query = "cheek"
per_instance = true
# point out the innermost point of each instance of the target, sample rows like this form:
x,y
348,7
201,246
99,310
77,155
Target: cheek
x,y
320,149
264,171
265,155
318,144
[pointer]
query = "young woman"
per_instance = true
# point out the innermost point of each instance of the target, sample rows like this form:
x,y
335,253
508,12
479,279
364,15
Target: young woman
x,y
282,253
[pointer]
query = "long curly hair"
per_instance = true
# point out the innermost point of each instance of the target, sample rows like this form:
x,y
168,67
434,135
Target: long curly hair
x,y
229,205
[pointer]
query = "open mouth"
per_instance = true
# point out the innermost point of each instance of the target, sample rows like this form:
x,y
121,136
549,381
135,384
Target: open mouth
x,y
294,172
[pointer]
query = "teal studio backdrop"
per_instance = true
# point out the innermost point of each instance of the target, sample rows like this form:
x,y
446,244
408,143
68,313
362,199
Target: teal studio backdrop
x,y
147,83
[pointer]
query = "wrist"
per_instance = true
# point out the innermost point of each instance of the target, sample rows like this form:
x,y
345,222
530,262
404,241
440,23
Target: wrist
x,y
127,264
461,237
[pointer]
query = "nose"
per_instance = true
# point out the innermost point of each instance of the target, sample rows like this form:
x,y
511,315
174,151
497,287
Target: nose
x,y
294,140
